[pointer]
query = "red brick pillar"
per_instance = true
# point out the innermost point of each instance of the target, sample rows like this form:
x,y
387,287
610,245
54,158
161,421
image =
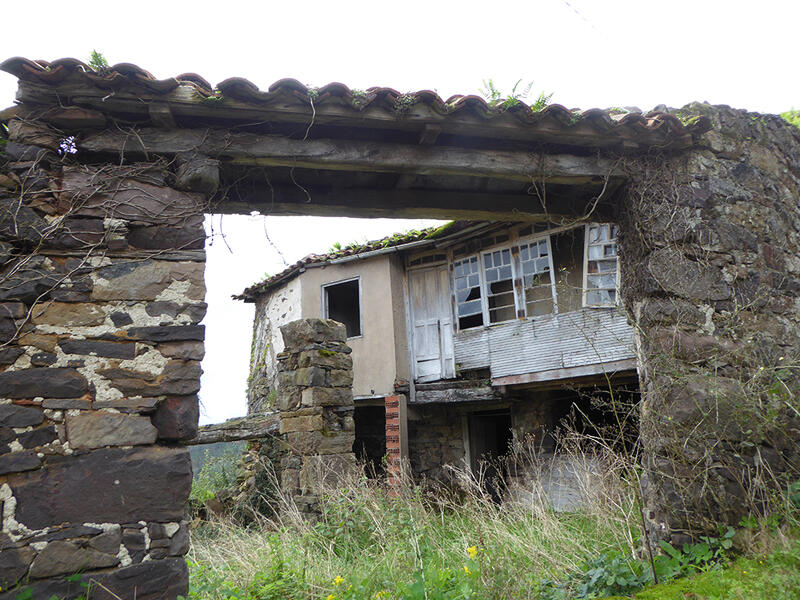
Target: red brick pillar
x,y
396,438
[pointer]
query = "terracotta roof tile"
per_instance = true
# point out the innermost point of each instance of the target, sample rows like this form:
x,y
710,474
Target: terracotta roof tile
x,y
127,76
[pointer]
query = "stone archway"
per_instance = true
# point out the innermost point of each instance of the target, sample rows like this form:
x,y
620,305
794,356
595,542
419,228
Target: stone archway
x,y
102,284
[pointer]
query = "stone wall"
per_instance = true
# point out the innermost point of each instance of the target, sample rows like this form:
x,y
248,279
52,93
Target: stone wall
x,y
275,308
101,295
436,431
315,399
435,438
711,277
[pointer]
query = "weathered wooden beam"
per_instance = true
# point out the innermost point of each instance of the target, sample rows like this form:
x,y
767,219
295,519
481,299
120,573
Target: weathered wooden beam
x,y
161,115
430,133
347,155
555,377
196,173
251,427
456,394
410,204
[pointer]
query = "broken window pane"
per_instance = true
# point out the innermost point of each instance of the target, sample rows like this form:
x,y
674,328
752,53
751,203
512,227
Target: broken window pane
x,y
536,276
469,308
500,295
600,279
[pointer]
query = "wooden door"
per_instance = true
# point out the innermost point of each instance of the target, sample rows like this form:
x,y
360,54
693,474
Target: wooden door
x,y
432,324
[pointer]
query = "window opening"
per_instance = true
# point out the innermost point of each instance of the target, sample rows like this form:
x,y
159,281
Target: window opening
x,y
601,273
535,260
499,285
342,303
469,301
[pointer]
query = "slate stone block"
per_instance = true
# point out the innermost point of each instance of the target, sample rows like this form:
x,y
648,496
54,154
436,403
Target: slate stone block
x,y
43,359
20,223
44,382
68,314
123,350
65,558
97,429
121,319
13,415
147,279
27,283
176,333
123,197
14,564
148,484
9,355
12,310
163,237
17,462
152,580
179,378
107,542
179,544
37,437
176,418
183,350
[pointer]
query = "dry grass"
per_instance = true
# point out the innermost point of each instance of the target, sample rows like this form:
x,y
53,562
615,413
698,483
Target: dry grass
x,y
377,540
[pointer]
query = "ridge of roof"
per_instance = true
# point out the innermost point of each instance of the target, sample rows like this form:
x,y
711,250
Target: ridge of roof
x,y
354,249
130,77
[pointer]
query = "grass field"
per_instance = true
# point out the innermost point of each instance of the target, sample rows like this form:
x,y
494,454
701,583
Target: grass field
x,y
430,545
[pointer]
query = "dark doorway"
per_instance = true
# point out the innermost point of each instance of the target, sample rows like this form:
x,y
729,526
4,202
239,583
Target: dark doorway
x,y
370,444
489,440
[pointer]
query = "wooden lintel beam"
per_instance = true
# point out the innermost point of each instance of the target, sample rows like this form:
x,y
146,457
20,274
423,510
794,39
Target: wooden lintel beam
x,y
410,204
251,427
348,155
430,134
161,115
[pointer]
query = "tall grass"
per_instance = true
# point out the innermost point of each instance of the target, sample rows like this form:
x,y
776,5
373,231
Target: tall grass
x,y
427,542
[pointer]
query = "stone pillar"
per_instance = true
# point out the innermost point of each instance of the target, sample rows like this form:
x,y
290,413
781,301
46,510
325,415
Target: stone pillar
x,y
101,293
315,399
711,274
396,438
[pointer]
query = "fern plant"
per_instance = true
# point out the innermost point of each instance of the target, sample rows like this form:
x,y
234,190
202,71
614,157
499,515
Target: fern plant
x,y
496,98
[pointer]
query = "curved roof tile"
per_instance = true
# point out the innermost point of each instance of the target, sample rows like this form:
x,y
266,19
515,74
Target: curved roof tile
x,y
130,77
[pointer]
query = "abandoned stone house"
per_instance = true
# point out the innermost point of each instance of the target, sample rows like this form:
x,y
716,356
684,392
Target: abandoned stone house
x,y
104,180
490,330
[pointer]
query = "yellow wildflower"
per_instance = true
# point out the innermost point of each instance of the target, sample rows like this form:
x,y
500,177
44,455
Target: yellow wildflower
x,y
466,569
472,551
338,580
382,594
331,597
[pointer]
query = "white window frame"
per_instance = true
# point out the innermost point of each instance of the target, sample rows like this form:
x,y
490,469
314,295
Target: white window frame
x,y
516,275
536,239
586,259
481,283
485,282
324,303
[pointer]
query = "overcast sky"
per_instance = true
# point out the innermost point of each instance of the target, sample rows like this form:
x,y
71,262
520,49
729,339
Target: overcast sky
x,y
588,53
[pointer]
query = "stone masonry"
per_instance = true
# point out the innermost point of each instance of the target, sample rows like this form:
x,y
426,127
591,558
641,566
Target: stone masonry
x,y
101,295
711,277
315,400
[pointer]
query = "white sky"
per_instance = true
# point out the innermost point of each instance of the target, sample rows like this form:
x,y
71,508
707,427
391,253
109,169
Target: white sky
x,y
589,53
